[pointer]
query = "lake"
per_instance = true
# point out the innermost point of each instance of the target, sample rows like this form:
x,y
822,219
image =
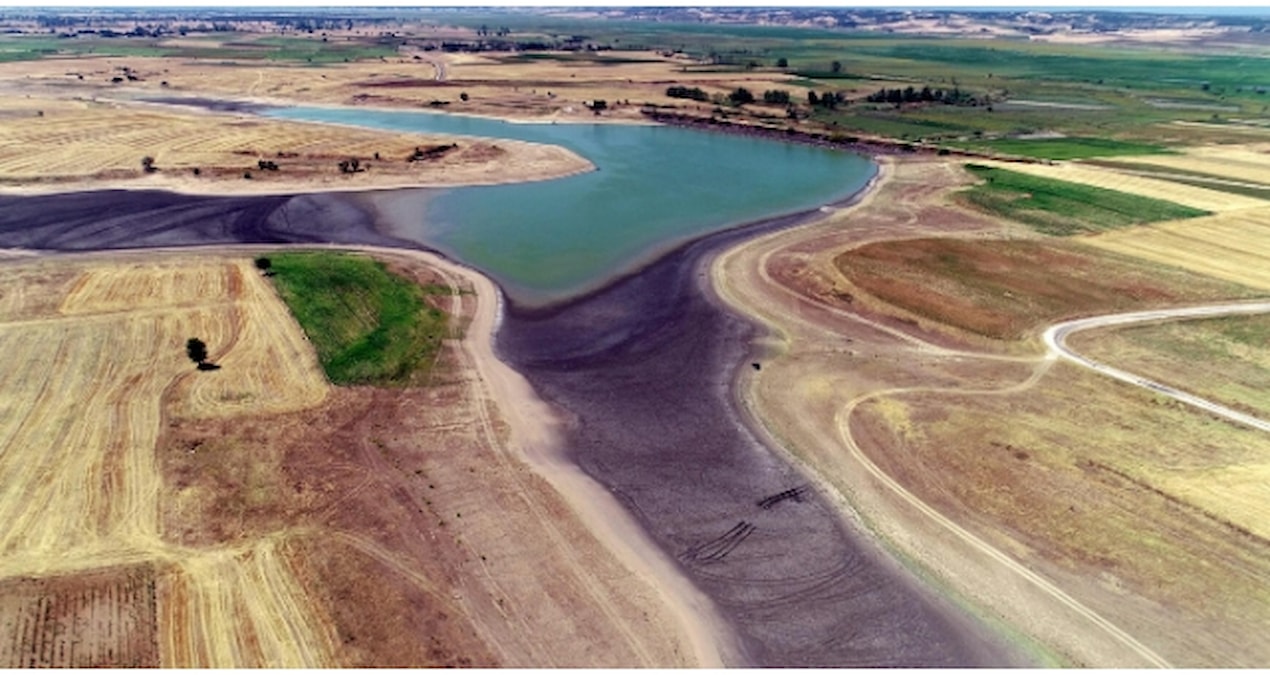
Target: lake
x,y
655,187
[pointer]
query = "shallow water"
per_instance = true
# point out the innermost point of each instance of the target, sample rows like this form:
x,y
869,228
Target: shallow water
x,y
655,187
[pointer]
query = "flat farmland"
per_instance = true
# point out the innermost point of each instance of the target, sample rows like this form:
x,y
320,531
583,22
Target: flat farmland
x,y
1233,246
105,617
1250,163
1226,360
62,143
1156,188
1150,513
94,350
254,515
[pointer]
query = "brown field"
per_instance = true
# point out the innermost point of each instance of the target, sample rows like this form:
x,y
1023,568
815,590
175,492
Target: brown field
x,y
1226,360
1083,514
1187,195
1232,246
101,618
253,515
1008,289
58,144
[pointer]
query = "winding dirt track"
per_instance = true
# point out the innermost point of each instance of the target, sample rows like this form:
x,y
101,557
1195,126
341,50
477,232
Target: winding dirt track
x,y
1056,340
811,329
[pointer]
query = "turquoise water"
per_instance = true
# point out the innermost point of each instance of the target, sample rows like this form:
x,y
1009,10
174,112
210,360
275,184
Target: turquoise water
x,y
655,187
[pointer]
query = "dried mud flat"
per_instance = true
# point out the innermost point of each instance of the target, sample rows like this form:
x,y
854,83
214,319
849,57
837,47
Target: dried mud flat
x,y
1038,493
645,369
253,516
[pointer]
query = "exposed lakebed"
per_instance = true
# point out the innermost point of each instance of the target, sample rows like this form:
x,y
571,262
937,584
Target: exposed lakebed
x,y
643,361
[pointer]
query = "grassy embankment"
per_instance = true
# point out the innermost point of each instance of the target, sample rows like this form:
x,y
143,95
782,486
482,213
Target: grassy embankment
x,y
1062,208
368,325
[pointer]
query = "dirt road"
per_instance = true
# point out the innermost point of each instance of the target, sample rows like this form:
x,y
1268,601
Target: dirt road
x,y
1056,340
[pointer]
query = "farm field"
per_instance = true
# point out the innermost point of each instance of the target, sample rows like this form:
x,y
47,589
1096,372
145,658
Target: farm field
x,y
1234,246
59,144
966,451
1009,289
1226,360
166,516
1249,163
367,325
82,398
1204,199
1061,208
1136,503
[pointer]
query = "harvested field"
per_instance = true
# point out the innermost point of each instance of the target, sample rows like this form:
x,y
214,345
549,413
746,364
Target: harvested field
x,y
1007,289
1250,163
91,363
241,609
74,143
1226,360
1142,508
254,517
1232,246
1187,195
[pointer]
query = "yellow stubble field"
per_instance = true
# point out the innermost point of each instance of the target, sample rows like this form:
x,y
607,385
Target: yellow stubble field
x,y
86,576
1155,188
1234,246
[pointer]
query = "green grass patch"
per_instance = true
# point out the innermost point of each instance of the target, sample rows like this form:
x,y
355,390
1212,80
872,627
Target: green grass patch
x,y
369,326
1061,208
1068,148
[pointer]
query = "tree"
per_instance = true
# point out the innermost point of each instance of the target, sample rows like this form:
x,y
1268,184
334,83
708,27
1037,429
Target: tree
x,y
196,349
836,67
812,99
782,62
741,96
147,164
776,97
264,265
463,96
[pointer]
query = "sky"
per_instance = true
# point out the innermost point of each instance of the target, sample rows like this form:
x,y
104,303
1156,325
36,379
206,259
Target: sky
x,y
1178,6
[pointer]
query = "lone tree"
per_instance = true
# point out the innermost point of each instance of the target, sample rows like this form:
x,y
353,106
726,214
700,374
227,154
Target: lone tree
x,y
147,164
196,349
264,265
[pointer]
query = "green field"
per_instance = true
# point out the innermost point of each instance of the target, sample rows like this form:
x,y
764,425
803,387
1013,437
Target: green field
x,y
287,49
368,325
1061,208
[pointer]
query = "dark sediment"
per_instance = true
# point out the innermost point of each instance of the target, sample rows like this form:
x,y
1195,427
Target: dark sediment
x,y
116,219
644,368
